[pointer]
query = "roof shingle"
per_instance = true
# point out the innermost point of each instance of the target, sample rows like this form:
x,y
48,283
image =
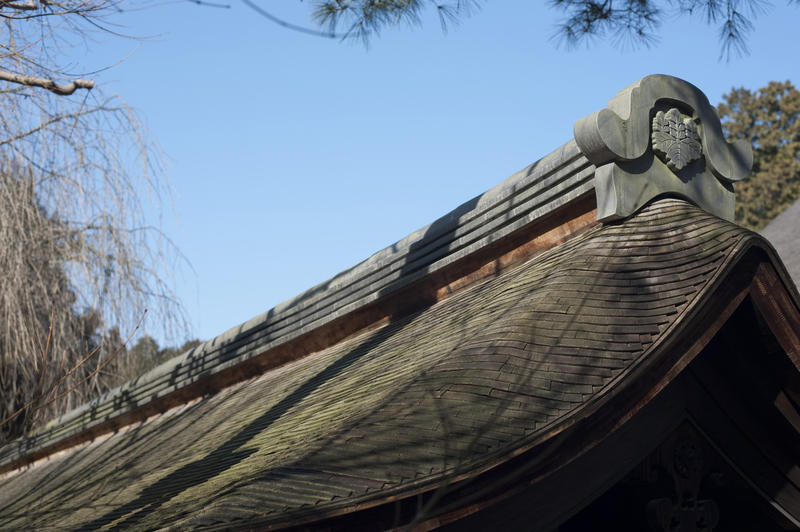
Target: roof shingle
x,y
453,388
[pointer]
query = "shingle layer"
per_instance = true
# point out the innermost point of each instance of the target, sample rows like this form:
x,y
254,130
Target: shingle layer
x,y
454,387
520,201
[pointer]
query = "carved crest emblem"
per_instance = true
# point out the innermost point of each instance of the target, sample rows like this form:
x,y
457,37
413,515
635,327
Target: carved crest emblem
x,y
675,138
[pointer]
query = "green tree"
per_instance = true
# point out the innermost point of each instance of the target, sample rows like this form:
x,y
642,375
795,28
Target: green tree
x,y
638,21
170,352
769,118
146,355
140,358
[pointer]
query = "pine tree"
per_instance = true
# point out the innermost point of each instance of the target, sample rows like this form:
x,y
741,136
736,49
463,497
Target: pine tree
x,y
769,118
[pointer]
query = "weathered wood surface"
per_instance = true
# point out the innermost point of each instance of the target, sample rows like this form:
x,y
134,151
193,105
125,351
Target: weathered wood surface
x,y
439,395
421,264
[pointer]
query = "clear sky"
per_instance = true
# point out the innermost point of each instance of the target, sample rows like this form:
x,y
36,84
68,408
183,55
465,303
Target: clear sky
x,y
293,157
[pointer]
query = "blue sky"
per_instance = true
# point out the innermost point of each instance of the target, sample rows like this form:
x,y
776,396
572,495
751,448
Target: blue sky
x,y
293,157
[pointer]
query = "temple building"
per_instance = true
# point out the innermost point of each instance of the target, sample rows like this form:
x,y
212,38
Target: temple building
x,y
592,344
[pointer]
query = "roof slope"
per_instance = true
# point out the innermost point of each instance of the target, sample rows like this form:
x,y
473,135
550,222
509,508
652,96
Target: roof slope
x,y
410,270
455,388
784,233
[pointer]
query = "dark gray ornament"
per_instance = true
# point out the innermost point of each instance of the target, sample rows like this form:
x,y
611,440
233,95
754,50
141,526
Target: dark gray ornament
x,y
638,159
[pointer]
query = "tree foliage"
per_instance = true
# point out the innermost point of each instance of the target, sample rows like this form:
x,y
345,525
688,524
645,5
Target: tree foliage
x,y
769,118
80,191
623,21
363,18
146,354
638,21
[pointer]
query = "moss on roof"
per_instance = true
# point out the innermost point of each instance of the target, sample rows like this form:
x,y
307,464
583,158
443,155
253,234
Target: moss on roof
x,y
456,387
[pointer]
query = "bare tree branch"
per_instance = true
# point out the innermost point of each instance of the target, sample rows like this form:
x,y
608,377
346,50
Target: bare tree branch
x,y
49,84
19,7
80,257
50,122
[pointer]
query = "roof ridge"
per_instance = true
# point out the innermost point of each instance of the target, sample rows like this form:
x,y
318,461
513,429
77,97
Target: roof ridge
x,y
534,209
530,196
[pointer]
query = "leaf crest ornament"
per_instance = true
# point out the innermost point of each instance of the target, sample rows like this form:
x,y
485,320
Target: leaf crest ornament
x,y
675,138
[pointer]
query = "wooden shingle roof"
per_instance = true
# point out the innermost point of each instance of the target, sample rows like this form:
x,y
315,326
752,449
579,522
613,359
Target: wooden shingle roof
x,y
489,354
442,394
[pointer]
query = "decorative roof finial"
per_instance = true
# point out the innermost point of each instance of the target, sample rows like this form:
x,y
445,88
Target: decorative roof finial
x,y
660,136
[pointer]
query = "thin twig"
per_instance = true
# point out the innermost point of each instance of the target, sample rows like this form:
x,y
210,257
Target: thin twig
x,y
289,25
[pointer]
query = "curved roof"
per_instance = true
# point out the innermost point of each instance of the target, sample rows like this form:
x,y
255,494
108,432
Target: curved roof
x,y
405,273
443,394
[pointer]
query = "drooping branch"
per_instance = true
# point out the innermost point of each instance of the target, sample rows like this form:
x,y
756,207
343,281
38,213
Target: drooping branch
x,y
49,84
53,120
77,175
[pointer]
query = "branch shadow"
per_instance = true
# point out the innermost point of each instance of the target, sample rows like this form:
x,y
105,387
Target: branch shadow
x,y
436,237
